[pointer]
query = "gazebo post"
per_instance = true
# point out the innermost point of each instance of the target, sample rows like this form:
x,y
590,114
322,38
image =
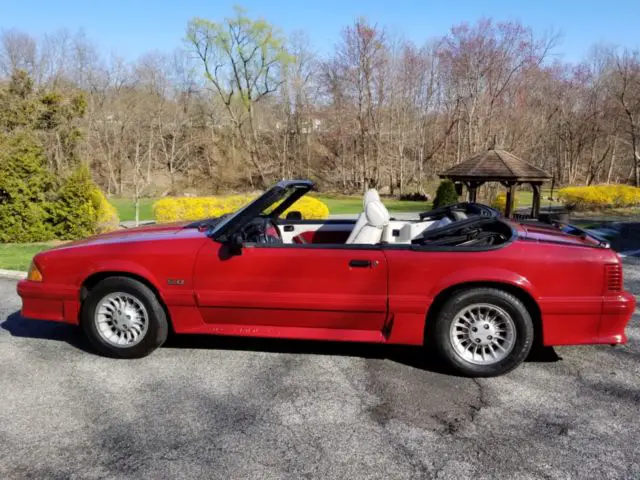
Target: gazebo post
x,y
473,191
535,207
467,186
508,210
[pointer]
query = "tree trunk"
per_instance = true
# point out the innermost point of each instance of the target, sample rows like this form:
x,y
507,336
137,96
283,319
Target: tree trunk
x,y
613,158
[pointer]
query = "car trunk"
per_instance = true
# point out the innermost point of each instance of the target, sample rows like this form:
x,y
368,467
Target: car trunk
x,y
568,234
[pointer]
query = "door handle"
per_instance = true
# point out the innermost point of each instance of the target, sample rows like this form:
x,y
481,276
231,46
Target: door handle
x,y
288,228
359,263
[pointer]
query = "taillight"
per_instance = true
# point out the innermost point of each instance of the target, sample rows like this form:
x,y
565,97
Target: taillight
x,y
613,277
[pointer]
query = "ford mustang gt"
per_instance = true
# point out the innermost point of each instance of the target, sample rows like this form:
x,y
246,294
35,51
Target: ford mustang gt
x,y
477,288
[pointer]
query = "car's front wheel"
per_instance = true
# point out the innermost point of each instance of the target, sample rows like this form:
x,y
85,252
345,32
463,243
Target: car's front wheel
x,y
483,332
123,318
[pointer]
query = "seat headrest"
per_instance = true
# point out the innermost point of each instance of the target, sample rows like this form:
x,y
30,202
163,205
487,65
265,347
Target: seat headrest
x,y
377,214
370,196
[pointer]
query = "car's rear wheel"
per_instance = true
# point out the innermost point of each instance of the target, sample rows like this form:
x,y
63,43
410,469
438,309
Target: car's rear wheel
x,y
483,332
123,318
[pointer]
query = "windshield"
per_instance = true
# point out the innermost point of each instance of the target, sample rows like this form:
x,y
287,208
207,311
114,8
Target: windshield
x,y
265,203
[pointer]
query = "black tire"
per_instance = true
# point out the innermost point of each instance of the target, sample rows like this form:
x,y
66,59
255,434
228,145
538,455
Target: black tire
x,y
157,328
442,343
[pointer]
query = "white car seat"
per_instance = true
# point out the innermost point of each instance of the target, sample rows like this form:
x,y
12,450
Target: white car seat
x,y
370,195
370,224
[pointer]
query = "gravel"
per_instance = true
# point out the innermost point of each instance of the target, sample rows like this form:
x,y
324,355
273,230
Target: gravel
x,y
207,407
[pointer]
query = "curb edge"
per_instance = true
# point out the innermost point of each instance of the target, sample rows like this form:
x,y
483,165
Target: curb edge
x,y
13,274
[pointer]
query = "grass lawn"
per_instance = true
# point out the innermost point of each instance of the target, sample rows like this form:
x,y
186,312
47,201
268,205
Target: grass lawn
x,y
525,198
338,204
17,256
353,204
127,209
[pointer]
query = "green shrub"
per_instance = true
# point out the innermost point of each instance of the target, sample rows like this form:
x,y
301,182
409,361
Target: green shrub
x,y
196,208
27,190
37,207
73,214
445,195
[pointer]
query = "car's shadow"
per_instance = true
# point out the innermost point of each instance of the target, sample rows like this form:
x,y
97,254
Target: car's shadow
x,y
18,326
416,357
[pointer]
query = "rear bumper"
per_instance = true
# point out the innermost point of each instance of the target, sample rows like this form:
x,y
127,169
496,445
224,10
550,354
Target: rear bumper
x,y
587,321
42,301
616,314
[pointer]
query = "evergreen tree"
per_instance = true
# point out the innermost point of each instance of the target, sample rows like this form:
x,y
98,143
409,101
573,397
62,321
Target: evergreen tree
x,y
446,194
37,203
27,189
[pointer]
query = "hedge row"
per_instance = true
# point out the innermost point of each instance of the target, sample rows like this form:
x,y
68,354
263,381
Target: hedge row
x,y
107,218
175,209
500,202
590,197
600,196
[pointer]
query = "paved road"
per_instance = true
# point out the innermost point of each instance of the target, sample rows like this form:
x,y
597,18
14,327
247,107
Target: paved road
x,y
220,408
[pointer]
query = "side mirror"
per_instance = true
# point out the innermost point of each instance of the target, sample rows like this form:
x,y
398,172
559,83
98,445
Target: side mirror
x,y
235,244
294,215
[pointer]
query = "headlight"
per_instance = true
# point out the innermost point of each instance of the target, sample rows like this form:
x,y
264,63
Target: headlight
x,y
34,274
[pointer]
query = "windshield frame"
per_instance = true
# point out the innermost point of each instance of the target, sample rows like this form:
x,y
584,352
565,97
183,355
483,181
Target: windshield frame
x,y
287,191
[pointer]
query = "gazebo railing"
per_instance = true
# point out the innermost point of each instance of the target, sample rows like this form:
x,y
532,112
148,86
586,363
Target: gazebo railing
x,y
522,216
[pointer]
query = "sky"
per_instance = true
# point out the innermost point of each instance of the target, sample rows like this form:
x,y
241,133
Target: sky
x,y
130,28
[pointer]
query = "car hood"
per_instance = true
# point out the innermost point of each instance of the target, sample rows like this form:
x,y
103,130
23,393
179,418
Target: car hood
x,y
137,234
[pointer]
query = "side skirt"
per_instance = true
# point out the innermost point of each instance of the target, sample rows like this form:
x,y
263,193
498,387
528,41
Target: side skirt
x,y
301,333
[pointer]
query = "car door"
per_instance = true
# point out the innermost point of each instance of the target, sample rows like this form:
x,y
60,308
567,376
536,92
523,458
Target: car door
x,y
320,231
309,286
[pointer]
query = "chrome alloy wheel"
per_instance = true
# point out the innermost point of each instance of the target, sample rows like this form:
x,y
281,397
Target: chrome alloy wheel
x,y
121,319
482,334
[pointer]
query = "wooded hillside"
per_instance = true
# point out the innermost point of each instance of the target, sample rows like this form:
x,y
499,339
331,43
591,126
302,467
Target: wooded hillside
x,y
237,106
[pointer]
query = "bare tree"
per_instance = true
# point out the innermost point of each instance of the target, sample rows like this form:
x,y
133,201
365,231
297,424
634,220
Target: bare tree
x,y
241,60
241,106
626,90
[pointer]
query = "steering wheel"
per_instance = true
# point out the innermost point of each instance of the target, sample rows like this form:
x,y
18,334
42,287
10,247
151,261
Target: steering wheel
x,y
262,230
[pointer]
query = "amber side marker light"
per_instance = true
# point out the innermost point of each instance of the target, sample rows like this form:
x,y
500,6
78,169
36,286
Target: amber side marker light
x,y
34,274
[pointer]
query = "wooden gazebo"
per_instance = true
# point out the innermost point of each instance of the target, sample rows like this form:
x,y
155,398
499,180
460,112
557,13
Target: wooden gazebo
x,y
498,166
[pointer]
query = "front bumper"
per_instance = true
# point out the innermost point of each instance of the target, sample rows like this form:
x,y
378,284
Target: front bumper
x,y
42,301
616,313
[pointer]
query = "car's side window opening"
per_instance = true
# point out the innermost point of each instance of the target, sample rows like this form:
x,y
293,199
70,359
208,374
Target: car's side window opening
x,y
468,233
464,225
461,226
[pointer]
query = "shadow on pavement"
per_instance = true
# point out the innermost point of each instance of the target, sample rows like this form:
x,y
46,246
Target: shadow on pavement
x,y
540,354
415,357
412,356
18,326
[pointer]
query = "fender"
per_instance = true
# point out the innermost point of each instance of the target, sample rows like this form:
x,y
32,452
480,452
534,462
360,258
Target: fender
x,y
492,275
123,266
410,314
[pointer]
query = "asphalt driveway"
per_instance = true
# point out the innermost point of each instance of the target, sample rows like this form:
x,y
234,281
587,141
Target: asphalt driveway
x,y
237,408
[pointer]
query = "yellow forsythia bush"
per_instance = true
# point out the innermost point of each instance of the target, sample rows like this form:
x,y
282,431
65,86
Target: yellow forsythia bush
x,y
107,218
173,209
600,196
500,202
311,208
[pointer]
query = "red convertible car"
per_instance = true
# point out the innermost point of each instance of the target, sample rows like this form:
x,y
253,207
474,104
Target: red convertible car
x,y
479,289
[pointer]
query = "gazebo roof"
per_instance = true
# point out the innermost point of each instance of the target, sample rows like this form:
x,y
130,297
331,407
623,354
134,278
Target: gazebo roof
x,y
495,165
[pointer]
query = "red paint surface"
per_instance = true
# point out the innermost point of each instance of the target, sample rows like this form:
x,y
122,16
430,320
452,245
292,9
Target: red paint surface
x,y
311,292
